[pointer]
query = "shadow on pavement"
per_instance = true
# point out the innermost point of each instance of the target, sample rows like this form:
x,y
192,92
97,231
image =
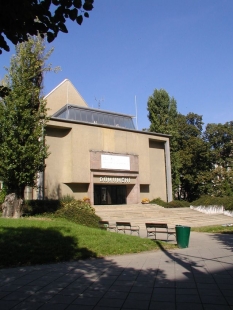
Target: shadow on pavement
x,y
199,277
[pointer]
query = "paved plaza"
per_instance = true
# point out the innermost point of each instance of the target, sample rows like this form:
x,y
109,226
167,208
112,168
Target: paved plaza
x,y
198,277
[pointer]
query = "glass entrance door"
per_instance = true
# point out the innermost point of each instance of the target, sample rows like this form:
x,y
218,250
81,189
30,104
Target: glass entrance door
x,y
109,194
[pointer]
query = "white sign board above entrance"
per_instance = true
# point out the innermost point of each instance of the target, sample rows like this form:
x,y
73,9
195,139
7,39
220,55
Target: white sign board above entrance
x,y
115,162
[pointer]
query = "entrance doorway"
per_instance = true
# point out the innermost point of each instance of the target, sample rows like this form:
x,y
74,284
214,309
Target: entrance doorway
x,y
109,194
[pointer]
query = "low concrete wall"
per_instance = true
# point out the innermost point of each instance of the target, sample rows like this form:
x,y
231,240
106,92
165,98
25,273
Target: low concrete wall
x,y
212,210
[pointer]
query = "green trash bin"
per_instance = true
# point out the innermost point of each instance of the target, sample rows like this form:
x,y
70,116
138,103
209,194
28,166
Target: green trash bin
x,y
182,236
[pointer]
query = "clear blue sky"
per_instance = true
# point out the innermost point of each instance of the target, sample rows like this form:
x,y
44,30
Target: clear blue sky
x,y
128,48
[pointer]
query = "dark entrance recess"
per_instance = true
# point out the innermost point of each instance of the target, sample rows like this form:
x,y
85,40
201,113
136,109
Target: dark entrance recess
x,y
109,194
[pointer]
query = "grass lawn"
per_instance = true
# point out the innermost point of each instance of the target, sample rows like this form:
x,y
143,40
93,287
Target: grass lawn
x,y
29,241
214,229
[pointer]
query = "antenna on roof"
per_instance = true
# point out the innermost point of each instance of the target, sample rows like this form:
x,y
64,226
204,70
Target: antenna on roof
x,y
99,101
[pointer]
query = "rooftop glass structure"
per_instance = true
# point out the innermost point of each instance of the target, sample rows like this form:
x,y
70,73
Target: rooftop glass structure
x,y
94,116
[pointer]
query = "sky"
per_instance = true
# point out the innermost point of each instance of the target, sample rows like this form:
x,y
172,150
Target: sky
x,y
128,48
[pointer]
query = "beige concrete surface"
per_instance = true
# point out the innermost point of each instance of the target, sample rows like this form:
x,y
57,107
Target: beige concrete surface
x,y
139,214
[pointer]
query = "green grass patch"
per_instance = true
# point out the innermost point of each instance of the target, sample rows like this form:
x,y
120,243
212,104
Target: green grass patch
x,y
29,241
214,229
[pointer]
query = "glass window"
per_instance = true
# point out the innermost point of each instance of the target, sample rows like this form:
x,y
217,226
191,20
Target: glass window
x,y
89,116
92,116
100,118
120,121
83,116
106,119
111,120
95,117
71,114
129,123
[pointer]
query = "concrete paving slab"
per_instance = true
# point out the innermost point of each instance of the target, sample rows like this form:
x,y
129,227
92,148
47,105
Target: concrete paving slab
x,y
139,214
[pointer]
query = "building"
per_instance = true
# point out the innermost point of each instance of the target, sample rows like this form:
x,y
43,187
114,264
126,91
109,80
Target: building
x,y
100,155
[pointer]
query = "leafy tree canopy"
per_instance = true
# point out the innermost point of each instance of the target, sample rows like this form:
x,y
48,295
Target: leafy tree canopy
x,y
163,117
18,19
162,112
23,117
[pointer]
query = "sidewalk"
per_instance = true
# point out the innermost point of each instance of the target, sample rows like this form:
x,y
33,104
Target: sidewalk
x,y
199,277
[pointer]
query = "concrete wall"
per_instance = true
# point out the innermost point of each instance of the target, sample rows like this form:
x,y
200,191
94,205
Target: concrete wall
x,y
68,168
63,94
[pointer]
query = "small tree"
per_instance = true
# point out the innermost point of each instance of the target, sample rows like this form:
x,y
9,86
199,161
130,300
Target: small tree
x,y
219,138
163,117
23,118
194,157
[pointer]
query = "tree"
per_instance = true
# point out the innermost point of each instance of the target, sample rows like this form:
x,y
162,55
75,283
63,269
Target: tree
x,y
219,138
163,117
18,19
194,157
23,117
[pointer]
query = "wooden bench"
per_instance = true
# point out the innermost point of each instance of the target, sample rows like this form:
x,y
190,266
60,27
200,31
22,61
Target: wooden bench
x,y
155,228
126,226
106,225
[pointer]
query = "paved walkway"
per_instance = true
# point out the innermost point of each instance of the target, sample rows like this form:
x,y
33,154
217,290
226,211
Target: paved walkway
x,y
198,277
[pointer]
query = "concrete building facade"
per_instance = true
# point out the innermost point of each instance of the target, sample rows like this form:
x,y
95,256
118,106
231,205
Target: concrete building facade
x,y
100,155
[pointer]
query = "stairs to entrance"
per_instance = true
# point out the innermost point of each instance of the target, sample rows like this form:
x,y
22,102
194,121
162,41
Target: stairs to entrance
x,y
139,214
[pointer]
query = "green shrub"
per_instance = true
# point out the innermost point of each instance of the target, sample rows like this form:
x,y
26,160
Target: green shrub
x,y
226,202
67,198
2,195
79,212
33,207
160,202
171,204
179,204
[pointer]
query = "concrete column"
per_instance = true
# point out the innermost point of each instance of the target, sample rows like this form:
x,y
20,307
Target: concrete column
x,y
168,171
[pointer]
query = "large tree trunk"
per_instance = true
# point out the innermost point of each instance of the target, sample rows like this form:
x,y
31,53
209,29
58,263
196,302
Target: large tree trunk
x,y
12,206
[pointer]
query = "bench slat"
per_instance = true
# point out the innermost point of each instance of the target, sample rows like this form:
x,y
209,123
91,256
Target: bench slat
x,y
106,225
155,228
124,226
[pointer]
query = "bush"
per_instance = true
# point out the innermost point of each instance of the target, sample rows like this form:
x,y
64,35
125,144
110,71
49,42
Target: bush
x,y
33,207
179,204
171,204
160,202
67,198
226,202
2,195
79,212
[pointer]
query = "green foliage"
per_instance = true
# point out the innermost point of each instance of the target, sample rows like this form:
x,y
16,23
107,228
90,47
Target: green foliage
x,y
214,229
226,202
179,204
201,163
79,212
163,117
76,211
171,204
66,199
194,157
160,202
219,138
36,207
2,195
18,18
23,117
